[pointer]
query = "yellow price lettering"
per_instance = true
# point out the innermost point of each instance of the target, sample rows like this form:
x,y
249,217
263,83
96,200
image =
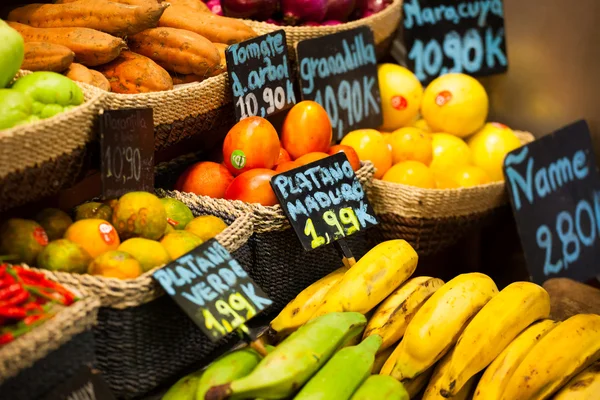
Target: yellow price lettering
x,y
309,230
211,322
347,216
239,303
225,309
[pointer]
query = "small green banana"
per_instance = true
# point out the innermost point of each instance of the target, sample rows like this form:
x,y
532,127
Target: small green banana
x,y
295,360
344,373
378,387
185,388
228,368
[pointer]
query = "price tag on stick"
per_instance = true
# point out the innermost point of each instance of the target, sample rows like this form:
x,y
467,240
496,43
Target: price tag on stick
x,y
554,190
213,289
442,36
127,151
324,202
339,72
259,76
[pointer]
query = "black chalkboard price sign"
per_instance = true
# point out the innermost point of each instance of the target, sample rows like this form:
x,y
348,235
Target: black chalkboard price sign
x,y
442,36
127,151
259,76
213,289
339,72
554,189
324,201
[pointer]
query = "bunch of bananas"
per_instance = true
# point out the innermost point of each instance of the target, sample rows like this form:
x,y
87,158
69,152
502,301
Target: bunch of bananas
x,y
462,339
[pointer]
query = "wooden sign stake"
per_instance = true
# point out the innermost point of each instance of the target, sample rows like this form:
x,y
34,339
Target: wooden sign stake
x,y
347,258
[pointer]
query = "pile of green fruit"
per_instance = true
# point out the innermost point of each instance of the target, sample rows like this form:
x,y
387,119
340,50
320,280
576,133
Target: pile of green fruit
x,y
118,238
33,97
319,358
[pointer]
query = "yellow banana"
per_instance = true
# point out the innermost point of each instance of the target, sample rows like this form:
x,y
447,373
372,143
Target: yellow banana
x,y
493,328
584,386
439,322
496,376
564,352
300,310
380,360
414,386
433,390
377,274
393,315
387,367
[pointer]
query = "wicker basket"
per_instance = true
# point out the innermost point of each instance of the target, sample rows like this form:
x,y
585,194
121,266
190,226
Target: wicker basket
x,y
37,362
143,339
383,24
39,159
184,111
281,267
430,219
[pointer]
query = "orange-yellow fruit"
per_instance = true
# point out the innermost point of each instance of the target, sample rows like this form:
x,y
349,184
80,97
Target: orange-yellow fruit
x,y
422,125
455,104
350,154
205,178
461,177
449,151
284,156
370,145
401,94
115,264
411,144
178,243
490,146
412,173
206,227
251,143
286,166
306,129
253,186
96,236
311,157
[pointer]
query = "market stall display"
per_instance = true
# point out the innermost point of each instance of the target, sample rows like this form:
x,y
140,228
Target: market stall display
x,y
278,252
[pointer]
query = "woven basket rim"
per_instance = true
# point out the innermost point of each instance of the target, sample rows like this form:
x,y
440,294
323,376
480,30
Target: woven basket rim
x,y
177,89
93,97
395,6
124,293
265,218
24,351
410,201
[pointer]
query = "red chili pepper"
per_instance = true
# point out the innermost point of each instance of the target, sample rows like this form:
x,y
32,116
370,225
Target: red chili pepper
x,y
12,312
22,272
2,270
10,291
33,306
6,281
6,338
16,299
33,318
